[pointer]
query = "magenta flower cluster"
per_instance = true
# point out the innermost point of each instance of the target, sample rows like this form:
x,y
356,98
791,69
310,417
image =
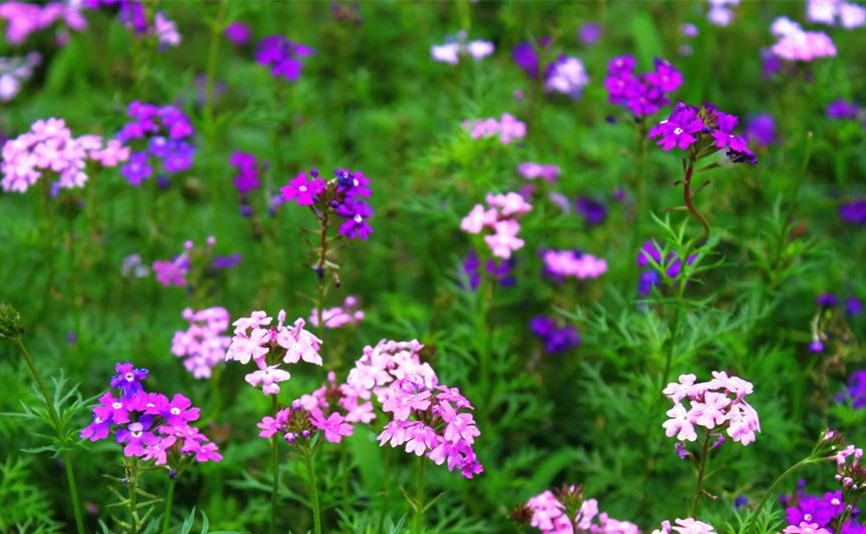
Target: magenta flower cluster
x,y
717,406
531,170
642,94
202,345
174,272
426,417
501,216
255,338
247,178
163,132
25,18
339,316
342,195
150,426
50,148
507,128
703,129
551,515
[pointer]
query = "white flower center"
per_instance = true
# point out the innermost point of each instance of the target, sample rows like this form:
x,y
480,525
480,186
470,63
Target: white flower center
x,y
97,420
117,405
129,377
835,502
136,434
678,131
359,219
175,411
807,517
356,182
302,189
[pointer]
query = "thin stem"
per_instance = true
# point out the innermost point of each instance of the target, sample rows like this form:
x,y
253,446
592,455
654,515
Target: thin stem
x,y
132,480
705,452
314,492
790,471
169,498
49,240
419,498
60,431
276,473
320,272
73,493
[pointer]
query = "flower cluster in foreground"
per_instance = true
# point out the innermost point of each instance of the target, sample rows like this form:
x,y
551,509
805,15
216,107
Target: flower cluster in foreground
x,y
718,406
702,131
50,148
341,195
688,525
426,417
255,338
501,216
162,132
567,510
149,425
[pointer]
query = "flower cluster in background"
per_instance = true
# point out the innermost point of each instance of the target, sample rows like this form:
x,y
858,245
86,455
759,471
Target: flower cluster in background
x,y
501,216
453,48
500,271
651,255
642,94
833,12
531,170
507,128
50,148
718,406
149,425
795,44
174,272
720,13
339,316
25,18
255,339
14,72
160,134
284,57
426,417
568,511
566,75
556,339
202,345
562,264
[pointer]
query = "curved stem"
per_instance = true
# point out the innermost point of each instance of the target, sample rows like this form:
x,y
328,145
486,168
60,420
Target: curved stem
x,y
314,492
687,199
790,471
320,272
418,522
169,498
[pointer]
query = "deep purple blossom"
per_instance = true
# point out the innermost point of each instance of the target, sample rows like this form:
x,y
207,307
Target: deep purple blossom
x,y
238,33
842,109
642,94
592,211
355,214
761,130
137,169
247,178
283,56
556,339
128,378
853,211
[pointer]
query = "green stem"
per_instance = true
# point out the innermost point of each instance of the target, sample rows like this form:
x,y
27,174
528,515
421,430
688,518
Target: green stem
x,y
169,498
276,473
73,493
418,522
705,452
132,481
790,471
314,492
321,272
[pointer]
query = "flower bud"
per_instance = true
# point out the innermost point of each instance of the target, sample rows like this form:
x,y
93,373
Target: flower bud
x,y
10,322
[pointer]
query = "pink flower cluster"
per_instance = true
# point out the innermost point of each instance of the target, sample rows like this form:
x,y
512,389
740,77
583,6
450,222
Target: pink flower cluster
x,y
339,316
848,15
531,170
794,44
254,339
501,216
24,18
508,128
49,146
849,472
716,405
149,425
426,418
452,49
568,263
550,516
688,525
174,272
805,528
202,344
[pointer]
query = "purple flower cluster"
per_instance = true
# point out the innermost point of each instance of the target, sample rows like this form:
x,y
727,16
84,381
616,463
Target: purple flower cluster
x,y
761,130
651,255
642,94
567,512
702,129
162,131
842,109
428,418
285,58
556,339
149,425
132,14
501,271
342,194
238,33
247,178
854,211
202,344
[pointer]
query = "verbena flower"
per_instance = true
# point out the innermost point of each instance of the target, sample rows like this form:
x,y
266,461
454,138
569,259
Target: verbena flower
x,y
566,75
501,216
761,130
14,72
795,44
717,406
202,345
531,170
25,18
284,57
833,12
500,271
507,128
426,417
642,94
247,179
266,345
238,33
159,133
50,148
720,14
853,211
339,316
556,339
174,272
454,47
685,526
702,131
561,264
567,509
842,109
150,426
594,212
